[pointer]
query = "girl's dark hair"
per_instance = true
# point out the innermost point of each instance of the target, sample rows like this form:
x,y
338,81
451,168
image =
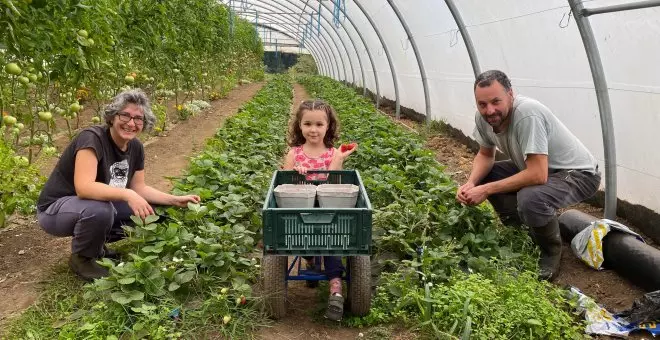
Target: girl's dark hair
x,y
295,133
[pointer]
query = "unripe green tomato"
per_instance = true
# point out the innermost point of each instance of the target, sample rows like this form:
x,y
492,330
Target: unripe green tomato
x,y
75,107
9,120
45,116
23,80
13,68
32,77
96,120
20,126
83,33
90,42
15,131
129,80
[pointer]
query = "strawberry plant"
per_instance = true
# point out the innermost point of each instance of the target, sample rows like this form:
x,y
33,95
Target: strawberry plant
x,y
189,271
437,240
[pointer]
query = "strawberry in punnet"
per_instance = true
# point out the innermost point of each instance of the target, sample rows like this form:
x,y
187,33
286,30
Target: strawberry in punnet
x,y
347,147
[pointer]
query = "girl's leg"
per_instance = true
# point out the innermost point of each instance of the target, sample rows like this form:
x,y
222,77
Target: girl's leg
x,y
333,270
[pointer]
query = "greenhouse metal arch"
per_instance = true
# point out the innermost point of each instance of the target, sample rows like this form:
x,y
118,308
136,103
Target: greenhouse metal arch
x,y
361,20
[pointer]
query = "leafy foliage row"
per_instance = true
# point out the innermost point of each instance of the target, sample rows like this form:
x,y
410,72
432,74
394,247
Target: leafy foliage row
x,y
190,272
452,271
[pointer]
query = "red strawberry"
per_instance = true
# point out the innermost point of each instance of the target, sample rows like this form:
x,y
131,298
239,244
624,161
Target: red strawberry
x,y
347,147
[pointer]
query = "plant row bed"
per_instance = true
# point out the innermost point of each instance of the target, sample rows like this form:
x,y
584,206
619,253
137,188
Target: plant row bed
x,y
189,271
446,269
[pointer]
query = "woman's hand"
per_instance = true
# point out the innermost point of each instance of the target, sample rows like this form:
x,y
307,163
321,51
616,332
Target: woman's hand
x,y
182,201
139,205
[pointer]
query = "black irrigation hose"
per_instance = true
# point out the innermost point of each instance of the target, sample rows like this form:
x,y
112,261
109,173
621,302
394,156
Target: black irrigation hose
x,y
629,257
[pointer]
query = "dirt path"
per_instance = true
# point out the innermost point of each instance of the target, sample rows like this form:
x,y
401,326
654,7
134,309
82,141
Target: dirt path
x,y
28,254
304,318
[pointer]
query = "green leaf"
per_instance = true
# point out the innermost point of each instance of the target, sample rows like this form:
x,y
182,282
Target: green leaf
x,y
150,227
534,322
138,221
126,280
123,298
151,219
104,284
173,286
185,276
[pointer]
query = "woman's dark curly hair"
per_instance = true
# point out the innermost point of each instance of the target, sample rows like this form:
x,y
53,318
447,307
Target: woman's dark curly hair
x,y
295,133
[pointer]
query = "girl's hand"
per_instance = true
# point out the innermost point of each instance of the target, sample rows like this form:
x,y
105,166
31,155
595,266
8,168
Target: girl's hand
x,y
182,201
301,169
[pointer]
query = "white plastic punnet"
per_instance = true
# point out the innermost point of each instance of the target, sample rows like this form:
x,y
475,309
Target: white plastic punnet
x,y
295,195
337,195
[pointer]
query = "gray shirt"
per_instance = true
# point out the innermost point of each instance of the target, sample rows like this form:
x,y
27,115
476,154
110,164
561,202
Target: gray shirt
x,y
535,130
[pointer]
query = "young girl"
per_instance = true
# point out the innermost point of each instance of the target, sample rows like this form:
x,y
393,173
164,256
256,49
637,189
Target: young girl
x,y
312,134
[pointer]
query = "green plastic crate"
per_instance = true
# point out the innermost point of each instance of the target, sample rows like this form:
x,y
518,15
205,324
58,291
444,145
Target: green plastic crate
x,y
317,231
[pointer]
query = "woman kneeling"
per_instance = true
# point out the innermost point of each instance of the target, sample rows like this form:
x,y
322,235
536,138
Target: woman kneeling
x,y
98,183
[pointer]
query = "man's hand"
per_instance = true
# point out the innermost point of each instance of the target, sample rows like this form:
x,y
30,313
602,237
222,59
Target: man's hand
x,y
182,201
462,190
476,195
139,205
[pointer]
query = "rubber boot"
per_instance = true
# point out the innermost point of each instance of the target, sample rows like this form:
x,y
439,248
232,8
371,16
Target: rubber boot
x,y
548,239
87,268
110,253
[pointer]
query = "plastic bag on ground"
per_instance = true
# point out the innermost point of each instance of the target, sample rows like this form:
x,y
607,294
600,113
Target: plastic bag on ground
x,y
588,244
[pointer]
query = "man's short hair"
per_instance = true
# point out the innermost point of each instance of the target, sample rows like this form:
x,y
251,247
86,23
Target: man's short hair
x,y
485,79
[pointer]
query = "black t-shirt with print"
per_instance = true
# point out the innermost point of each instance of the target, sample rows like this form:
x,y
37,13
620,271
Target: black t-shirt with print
x,y
115,167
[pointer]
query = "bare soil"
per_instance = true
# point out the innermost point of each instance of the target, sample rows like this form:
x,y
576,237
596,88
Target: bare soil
x,y
29,254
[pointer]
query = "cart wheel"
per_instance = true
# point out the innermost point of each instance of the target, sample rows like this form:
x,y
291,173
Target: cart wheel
x,y
359,287
274,276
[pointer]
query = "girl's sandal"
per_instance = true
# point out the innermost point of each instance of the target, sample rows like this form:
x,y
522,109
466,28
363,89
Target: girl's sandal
x,y
335,309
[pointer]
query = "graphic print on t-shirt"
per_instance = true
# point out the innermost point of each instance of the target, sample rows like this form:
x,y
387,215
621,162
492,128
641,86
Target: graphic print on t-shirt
x,y
119,174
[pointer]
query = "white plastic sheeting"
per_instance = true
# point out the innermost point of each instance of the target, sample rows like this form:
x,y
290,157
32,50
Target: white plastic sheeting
x,y
536,43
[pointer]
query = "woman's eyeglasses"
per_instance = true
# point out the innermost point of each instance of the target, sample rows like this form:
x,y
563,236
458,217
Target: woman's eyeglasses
x,y
126,117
